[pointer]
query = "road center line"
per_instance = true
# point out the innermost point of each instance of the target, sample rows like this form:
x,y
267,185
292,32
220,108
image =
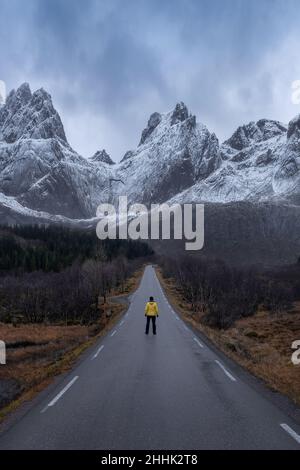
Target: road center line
x,y
225,371
291,432
98,352
198,342
61,393
113,333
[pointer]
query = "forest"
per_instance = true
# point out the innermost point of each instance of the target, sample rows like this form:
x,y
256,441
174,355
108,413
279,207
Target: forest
x,y
222,294
55,274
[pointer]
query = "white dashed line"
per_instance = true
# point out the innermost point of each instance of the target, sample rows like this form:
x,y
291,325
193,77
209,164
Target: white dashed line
x,y
98,352
122,323
61,393
291,432
198,342
113,333
225,371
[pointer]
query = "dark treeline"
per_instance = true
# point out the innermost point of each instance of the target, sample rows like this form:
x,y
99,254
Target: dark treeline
x,y
32,248
221,294
74,295
54,275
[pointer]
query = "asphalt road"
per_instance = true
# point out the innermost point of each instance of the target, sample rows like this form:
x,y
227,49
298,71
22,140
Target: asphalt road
x,y
168,391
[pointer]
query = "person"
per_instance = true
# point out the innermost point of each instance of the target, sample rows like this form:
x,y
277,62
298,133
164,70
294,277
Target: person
x,y
151,312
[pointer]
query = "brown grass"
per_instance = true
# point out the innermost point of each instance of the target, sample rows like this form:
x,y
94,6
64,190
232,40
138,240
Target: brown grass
x,y
261,343
53,349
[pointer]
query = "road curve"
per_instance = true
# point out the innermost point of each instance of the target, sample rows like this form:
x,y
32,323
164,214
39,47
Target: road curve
x,y
168,391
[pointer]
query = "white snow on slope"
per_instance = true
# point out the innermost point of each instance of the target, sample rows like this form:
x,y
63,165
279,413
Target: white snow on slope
x,y
177,160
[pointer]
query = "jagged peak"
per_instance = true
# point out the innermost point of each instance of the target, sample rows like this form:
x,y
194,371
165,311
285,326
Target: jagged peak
x,y
103,157
43,93
153,122
19,97
261,130
180,113
24,90
27,115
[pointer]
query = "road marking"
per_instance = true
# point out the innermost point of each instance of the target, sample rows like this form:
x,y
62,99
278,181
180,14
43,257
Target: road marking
x,y
122,323
98,352
185,327
113,333
198,342
61,393
225,371
291,432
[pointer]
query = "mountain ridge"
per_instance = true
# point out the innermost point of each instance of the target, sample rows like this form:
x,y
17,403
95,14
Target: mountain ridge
x,y
177,160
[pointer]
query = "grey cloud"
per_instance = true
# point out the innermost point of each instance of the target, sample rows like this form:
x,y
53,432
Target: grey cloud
x,y
110,63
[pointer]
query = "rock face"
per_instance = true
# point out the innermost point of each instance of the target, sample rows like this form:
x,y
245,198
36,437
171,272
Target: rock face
x,y
153,122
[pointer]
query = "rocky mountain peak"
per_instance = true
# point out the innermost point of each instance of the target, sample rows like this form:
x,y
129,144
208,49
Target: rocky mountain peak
x,y
180,113
153,122
18,97
103,157
259,131
29,116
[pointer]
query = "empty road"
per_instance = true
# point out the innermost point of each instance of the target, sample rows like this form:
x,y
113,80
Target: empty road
x,y
169,391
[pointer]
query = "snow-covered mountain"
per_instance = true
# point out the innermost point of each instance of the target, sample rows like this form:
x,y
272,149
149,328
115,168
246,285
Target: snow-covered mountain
x,y
260,162
177,160
102,157
38,168
174,153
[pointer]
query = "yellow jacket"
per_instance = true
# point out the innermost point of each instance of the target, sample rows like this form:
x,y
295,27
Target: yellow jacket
x,y
151,309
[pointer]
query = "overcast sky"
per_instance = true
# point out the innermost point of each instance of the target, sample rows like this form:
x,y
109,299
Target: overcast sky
x,y
109,64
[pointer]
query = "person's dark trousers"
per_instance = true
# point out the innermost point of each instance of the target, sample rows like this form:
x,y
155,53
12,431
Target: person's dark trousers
x,y
153,324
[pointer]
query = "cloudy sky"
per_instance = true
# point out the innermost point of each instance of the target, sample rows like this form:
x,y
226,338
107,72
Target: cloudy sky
x,y
109,64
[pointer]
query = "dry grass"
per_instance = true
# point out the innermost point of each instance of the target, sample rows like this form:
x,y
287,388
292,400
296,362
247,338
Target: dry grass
x,y
37,353
261,343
